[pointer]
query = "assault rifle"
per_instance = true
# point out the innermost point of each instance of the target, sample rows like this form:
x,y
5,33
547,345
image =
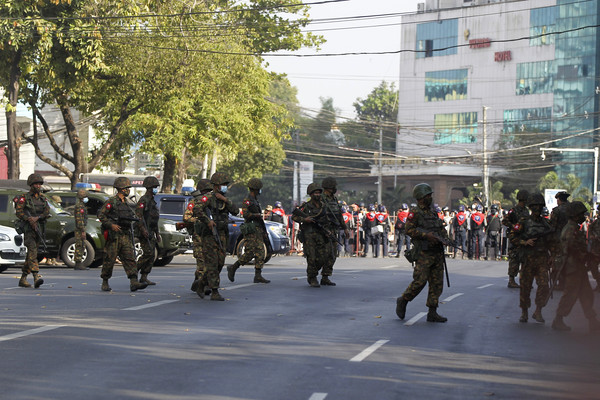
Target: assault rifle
x,y
445,242
215,233
266,239
327,233
38,231
124,221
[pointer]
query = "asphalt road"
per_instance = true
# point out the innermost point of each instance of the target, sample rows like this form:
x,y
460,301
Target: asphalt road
x,y
286,340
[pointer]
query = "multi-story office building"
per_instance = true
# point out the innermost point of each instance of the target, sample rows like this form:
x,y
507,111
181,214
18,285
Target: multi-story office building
x,y
533,66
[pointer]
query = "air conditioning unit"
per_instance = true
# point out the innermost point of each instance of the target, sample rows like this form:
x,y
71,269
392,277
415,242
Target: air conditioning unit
x,y
420,8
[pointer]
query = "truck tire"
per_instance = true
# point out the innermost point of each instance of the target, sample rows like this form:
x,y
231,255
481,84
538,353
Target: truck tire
x,y
67,253
240,250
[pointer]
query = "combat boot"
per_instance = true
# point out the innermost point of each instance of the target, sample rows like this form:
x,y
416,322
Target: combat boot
x,y
144,279
231,271
79,266
433,316
326,282
23,281
105,287
37,280
594,325
135,284
559,325
313,282
258,278
524,315
216,296
537,315
512,283
198,287
401,303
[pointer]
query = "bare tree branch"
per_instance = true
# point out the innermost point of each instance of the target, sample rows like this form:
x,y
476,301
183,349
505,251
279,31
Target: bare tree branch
x,y
50,135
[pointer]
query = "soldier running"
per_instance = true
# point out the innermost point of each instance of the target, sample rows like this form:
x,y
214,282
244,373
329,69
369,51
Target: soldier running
x,y
147,228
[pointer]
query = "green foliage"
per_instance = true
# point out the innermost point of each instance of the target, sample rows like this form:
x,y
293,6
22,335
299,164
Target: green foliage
x,y
571,185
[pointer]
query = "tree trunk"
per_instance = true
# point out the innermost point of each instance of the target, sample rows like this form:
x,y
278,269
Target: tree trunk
x,y
79,161
12,128
181,168
170,164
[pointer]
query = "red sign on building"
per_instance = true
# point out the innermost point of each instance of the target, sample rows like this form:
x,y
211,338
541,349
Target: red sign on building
x,y
479,43
500,56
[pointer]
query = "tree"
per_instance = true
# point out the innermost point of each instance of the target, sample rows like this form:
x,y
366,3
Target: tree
x,y
379,110
571,185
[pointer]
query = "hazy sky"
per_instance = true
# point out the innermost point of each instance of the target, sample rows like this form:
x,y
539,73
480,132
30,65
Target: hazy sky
x,y
346,78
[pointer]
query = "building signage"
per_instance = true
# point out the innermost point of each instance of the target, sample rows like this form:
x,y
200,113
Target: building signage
x,y
500,56
479,43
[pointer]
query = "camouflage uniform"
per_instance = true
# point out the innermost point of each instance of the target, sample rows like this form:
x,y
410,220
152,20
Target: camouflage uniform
x,y
514,216
147,232
254,234
81,217
190,219
594,246
333,222
32,204
558,220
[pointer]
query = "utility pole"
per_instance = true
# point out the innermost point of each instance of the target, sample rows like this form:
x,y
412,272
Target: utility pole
x,y
380,177
486,174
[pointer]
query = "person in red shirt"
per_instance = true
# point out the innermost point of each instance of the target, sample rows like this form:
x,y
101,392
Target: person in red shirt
x,y
399,232
478,232
369,222
349,221
459,223
383,220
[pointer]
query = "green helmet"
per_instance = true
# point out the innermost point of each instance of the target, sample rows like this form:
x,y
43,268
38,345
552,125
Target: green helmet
x,y
421,190
523,195
34,178
329,183
219,178
81,193
121,183
150,182
203,184
536,199
255,184
576,208
313,187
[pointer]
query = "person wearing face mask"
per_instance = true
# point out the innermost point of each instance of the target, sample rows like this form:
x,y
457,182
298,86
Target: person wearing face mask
x,y
577,284
81,216
534,237
427,232
32,210
147,228
116,217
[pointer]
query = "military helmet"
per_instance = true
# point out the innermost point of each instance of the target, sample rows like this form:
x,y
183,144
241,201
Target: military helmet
x,y
34,178
545,211
461,208
81,193
371,207
313,187
121,183
523,195
278,204
203,184
404,206
150,182
381,208
219,178
421,190
576,208
494,207
562,195
329,183
536,199
255,184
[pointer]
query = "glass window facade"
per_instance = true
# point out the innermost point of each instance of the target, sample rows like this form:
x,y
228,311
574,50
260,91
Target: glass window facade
x,y
535,77
446,85
437,35
542,21
455,128
527,120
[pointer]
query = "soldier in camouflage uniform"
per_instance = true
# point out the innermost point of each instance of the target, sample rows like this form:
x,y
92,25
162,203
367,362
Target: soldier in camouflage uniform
x,y
116,217
254,232
213,212
334,222
316,244
514,216
534,237
81,217
32,210
427,233
558,220
594,246
147,228
190,219
577,284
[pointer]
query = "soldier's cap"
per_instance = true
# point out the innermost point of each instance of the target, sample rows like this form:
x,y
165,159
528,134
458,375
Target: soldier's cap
x,y
576,208
562,195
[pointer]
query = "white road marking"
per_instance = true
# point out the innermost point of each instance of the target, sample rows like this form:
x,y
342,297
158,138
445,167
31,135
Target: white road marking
x,y
484,286
29,332
351,271
12,288
239,286
368,351
318,396
415,318
452,297
149,305
390,266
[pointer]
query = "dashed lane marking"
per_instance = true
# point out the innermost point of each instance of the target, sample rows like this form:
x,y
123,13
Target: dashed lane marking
x,y
415,318
318,396
29,332
447,299
484,286
368,351
239,286
390,266
149,305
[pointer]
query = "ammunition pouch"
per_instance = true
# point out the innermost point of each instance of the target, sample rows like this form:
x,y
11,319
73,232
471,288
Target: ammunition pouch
x,y
20,226
301,236
409,254
248,228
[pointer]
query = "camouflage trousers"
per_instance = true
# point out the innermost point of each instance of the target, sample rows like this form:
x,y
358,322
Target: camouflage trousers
x,y
146,260
79,245
32,242
214,259
577,287
254,248
197,245
514,262
319,253
429,268
535,266
119,244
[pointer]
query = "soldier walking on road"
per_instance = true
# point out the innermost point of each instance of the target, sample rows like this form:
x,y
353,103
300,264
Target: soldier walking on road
x,y
533,236
147,228
577,284
81,217
32,210
191,223
427,231
513,217
333,222
558,220
116,217
254,232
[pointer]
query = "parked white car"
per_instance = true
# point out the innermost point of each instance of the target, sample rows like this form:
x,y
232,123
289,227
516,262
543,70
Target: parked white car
x,y
12,250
